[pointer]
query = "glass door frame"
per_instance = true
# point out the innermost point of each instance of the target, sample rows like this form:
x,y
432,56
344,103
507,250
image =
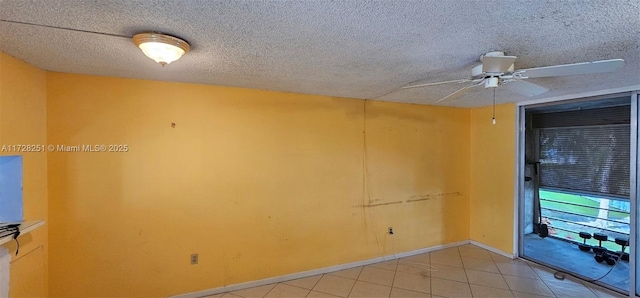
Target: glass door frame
x,y
634,195
634,191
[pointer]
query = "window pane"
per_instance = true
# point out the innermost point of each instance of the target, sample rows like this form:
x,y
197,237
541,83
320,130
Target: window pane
x,y
590,159
10,188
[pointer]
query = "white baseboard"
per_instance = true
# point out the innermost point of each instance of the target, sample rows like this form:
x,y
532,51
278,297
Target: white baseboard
x,y
493,249
425,250
313,272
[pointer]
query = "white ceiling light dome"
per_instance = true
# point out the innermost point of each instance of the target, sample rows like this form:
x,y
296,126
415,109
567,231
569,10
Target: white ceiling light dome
x,y
162,48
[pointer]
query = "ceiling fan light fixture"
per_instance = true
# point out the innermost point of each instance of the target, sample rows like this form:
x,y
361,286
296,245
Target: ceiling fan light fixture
x,y
162,48
491,82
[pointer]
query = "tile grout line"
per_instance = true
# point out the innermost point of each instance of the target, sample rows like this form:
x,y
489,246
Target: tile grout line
x,y
431,275
357,277
543,282
393,280
323,275
506,283
588,287
502,275
465,269
467,276
267,293
305,296
505,280
354,284
285,284
315,284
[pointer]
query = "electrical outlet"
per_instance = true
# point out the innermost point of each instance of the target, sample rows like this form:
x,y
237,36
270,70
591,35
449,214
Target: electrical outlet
x,y
390,230
194,259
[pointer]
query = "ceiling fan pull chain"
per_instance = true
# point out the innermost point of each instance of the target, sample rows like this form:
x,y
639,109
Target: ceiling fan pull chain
x,y
493,120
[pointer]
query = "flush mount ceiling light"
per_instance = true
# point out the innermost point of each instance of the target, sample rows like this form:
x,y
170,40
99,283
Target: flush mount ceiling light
x,y
162,48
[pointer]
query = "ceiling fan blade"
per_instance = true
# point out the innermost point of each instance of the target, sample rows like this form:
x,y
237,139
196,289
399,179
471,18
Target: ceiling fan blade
x,y
572,69
497,64
460,92
437,83
525,88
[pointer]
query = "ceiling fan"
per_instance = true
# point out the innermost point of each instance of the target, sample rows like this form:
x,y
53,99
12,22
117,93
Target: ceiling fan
x,y
497,69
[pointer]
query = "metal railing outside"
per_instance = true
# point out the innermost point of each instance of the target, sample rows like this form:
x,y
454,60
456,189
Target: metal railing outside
x,y
567,215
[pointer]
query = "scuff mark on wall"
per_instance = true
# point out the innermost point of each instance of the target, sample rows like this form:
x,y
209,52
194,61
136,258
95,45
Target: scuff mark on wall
x,y
426,197
414,198
377,205
383,204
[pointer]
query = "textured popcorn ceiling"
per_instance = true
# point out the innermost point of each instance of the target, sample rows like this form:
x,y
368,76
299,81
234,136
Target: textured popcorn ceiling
x,y
358,49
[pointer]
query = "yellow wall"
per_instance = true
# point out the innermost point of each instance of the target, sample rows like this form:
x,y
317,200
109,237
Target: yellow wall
x,y
258,183
246,179
418,165
23,121
492,176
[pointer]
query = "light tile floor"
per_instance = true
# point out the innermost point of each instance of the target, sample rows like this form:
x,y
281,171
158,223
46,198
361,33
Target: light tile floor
x,y
463,271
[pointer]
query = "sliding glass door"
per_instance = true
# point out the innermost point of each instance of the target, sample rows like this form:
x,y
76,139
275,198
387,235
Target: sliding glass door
x,y
577,187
